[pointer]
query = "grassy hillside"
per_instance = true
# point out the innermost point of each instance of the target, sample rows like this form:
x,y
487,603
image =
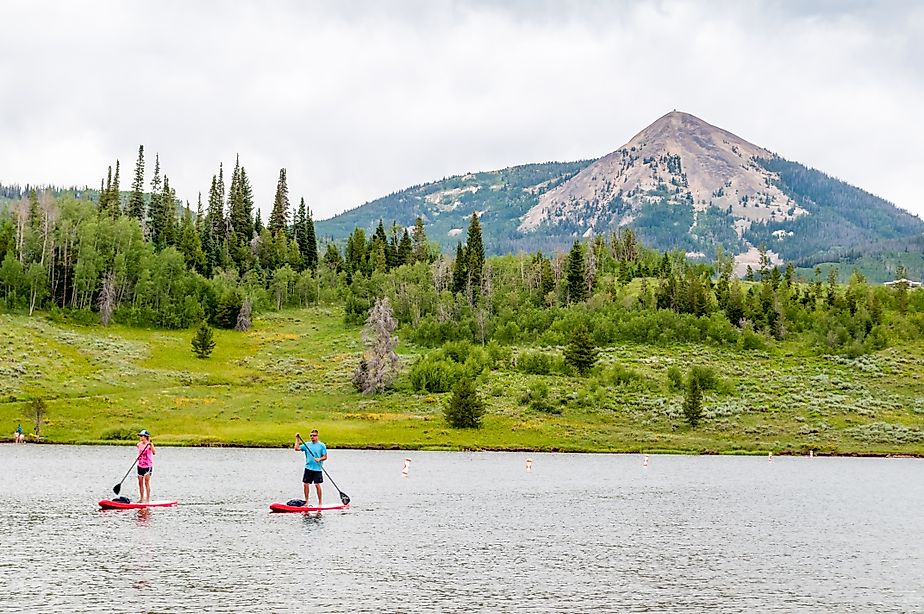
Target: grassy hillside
x,y
292,372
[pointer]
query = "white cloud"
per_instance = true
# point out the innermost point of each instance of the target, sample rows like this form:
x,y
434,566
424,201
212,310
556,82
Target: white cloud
x,y
359,99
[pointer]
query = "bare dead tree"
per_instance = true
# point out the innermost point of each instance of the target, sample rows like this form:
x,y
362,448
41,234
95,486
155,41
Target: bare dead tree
x,y
379,366
590,269
106,300
243,316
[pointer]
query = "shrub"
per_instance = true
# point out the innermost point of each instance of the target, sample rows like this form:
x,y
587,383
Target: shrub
x,y
705,377
434,374
465,408
537,398
534,363
674,379
620,375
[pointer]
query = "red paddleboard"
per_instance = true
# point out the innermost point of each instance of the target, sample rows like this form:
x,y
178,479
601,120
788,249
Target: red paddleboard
x,y
108,504
282,507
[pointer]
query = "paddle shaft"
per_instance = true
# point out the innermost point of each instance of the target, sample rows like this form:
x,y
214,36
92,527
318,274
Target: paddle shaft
x,y
118,486
342,495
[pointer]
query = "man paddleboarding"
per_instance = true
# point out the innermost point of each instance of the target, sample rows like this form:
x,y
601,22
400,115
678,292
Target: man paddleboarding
x,y
315,454
145,465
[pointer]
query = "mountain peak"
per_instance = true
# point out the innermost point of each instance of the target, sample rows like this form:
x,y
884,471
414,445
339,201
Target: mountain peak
x,y
677,160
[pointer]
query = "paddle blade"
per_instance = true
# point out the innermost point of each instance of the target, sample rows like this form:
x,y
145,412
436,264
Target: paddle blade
x,y
117,488
345,498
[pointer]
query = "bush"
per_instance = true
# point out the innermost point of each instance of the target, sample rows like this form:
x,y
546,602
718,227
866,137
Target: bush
x,y
674,379
624,377
434,374
121,434
536,398
749,340
705,377
465,408
534,363
227,309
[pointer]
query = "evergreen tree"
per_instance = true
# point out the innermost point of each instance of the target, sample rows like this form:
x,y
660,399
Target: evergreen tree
x,y
190,244
279,217
459,270
474,251
203,342
136,199
105,196
577,288
405,249
693,401
240,204
115,195
311,241
581,353
257,223
421,250
465,409
156,186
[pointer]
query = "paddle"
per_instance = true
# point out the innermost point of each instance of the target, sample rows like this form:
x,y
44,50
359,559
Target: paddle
x,y
343,496
118,486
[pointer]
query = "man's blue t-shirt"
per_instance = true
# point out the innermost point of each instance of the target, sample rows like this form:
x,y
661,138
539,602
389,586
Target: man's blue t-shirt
x,y
317,450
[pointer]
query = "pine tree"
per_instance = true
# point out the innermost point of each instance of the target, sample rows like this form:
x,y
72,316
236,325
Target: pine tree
x,y
577,285
257,223
154,209
105,195
474,251
279,217
693,401
115,195
240,204
420,241
203,342
405,249
136,199
465,408
190,244
459,270
581,353
311,241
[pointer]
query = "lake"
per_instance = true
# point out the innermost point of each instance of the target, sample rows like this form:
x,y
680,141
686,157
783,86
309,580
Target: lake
x,y
463,532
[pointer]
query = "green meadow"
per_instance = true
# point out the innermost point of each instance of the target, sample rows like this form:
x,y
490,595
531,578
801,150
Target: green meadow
x,y
292,372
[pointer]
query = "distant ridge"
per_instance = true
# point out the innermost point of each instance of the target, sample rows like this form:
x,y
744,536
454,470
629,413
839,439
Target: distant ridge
x,y
681,183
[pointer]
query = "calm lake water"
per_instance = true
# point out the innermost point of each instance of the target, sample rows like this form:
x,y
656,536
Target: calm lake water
x,y
463,533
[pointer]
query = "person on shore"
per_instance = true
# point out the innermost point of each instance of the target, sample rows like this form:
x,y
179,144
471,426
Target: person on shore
x,y
315,454
146,454
20,437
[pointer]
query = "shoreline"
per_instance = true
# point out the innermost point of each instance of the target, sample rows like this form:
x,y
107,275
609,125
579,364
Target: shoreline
x,y
549,450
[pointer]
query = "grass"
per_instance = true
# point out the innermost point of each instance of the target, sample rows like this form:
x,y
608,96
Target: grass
x,y
291,373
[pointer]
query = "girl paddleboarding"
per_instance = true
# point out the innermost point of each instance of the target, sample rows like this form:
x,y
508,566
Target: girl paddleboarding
x,y
146,454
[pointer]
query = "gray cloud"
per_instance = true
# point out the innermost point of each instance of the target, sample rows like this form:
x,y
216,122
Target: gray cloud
x,y
359,99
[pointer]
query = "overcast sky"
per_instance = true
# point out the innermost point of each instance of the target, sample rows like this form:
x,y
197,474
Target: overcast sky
x,y
359,99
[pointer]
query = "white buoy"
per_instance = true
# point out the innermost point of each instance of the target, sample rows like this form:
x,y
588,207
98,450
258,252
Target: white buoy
x,y
811,453
407,467
529,464
769,457
645,462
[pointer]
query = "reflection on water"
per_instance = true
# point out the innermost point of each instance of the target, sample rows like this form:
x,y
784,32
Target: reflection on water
x,y
464,532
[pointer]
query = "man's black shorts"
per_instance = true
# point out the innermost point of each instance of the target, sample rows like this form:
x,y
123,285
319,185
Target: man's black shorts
x,y
312,477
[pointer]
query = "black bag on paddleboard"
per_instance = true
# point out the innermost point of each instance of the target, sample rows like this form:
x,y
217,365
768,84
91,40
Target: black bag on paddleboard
x,y
296,502
122,500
